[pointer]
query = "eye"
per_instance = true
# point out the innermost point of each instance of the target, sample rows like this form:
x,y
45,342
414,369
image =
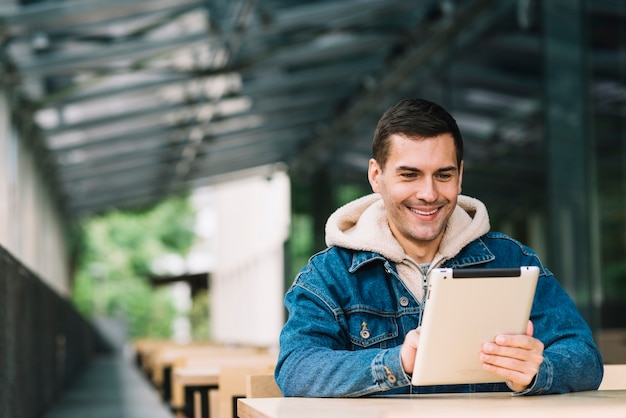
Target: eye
x,y
444,176
409,175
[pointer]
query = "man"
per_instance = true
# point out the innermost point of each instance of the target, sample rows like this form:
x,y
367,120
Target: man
x,y
354,309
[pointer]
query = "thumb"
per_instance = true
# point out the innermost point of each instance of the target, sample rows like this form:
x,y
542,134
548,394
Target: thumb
x,y
529,328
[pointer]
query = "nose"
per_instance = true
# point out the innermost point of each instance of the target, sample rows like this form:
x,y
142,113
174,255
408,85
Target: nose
x,y
427,190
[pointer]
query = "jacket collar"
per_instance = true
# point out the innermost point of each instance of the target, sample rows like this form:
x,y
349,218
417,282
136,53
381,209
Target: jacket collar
x,y
476,252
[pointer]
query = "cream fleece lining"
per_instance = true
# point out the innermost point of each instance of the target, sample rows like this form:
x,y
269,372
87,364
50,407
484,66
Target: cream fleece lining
x,y
362,225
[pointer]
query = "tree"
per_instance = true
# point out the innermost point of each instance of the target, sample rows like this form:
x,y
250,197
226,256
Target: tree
x,y
114,265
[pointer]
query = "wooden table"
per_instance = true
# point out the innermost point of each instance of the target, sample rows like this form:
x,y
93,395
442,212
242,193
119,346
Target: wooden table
x,y
188,383
593,404
199,379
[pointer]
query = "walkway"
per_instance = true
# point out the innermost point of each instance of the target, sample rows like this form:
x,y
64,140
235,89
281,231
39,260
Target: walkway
x,y
111,386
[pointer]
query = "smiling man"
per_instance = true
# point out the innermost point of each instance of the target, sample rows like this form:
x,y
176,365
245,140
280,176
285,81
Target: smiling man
x,y
355,308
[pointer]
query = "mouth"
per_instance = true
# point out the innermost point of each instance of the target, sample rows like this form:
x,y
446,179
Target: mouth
x,y
423,212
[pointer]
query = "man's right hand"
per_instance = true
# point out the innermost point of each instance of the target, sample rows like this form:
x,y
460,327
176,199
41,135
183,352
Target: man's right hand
x,y
409,349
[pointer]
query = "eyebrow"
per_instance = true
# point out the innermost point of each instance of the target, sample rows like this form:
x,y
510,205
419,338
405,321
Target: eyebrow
x,y
414,169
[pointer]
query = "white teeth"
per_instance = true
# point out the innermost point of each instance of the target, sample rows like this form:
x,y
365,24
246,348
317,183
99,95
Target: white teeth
x,y
419,212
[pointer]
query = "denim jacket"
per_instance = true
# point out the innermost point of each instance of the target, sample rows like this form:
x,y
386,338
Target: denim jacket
x,y
349,311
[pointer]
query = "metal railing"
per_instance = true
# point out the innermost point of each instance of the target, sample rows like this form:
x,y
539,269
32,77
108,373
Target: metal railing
x,y
44,341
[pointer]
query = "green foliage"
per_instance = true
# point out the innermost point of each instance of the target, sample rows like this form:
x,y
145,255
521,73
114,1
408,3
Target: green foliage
x,y
348,192
301,244
119,248
198,316
300,241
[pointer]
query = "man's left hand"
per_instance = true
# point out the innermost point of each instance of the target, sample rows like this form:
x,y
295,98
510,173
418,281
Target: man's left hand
x,y
514,357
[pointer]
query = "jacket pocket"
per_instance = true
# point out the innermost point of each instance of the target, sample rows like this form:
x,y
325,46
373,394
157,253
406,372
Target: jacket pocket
x,y
368,328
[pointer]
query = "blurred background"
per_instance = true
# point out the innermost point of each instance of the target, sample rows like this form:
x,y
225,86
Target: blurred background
x,y
167,166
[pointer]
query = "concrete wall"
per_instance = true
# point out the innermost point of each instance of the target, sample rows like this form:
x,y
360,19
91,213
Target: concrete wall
x,y
31,227
247,281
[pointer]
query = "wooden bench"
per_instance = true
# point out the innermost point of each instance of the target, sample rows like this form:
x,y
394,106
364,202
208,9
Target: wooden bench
x,y
232,386
144,347
262,386
148,351
197,382
162,361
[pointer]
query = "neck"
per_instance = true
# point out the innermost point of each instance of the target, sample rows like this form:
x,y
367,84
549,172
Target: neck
x,y
420,251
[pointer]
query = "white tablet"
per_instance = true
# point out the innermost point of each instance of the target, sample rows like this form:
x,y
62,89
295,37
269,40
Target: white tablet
x,y
464,309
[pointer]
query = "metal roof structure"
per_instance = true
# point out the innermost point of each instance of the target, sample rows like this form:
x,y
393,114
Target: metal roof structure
x,y
133,100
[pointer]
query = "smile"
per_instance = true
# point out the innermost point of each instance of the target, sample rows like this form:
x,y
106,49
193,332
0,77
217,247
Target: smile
x,y
420,212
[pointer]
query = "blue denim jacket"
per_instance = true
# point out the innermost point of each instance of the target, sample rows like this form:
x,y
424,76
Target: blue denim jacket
x,y
324,353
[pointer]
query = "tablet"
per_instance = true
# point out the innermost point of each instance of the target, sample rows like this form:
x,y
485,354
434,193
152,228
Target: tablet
x,y
464,309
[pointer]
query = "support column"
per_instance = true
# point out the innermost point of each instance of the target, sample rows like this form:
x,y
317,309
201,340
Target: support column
x,y
572,191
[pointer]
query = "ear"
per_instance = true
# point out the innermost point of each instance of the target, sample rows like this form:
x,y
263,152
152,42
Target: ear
x,y
460,176
373,171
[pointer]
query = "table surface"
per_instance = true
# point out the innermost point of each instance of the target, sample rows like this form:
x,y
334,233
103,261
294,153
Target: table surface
x,y
196,376
606,403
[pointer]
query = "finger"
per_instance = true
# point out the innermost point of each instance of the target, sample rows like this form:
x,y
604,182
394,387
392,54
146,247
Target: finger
x,y
514,359
516,341
527,352
413,336
509,366
495,354
519,360
517,379
522,342
519,341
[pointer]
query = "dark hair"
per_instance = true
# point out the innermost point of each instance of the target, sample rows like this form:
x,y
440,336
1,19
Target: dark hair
x,y
414,118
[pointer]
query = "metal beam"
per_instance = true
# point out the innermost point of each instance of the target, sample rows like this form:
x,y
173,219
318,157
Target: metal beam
x,y
276,104
101,57
415,65
47,16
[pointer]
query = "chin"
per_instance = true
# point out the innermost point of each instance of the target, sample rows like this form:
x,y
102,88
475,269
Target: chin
x,y
427,237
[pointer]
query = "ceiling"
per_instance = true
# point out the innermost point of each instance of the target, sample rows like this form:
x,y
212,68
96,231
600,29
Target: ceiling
x,y
133,100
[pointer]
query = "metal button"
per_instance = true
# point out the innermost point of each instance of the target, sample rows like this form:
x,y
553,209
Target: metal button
x,y
390,376
365,333
404,301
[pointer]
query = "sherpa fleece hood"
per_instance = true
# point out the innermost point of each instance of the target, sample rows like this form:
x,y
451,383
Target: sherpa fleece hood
x,y
362,225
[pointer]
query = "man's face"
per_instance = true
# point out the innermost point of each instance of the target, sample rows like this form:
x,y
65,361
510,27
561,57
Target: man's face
x,y
419,185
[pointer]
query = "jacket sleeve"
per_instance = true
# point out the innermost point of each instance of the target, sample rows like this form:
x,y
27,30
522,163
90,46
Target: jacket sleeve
x,y
572,361
315,358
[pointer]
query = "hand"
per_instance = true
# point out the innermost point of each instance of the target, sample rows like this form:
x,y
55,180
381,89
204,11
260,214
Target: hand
x,y
409,349
514,357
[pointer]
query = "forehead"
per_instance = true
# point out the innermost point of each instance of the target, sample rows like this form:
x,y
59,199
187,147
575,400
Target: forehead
x,y
413,151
